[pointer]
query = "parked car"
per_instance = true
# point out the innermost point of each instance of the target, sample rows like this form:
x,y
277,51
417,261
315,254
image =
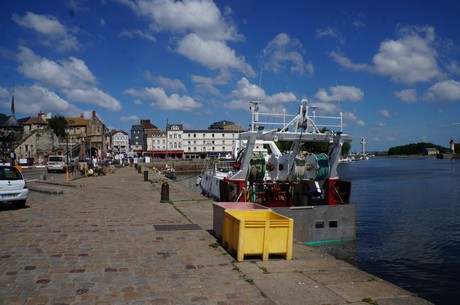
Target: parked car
x,y
13,187
56,163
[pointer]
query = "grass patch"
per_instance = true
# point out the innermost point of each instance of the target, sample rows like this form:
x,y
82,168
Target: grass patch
x,y
250,281
264,270
235,267
372,279
370,301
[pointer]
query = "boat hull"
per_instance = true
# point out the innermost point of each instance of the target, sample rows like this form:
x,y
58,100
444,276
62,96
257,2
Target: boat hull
x,y
322,222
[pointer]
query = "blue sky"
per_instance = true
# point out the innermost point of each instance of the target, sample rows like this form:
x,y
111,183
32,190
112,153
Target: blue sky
x,y
392,67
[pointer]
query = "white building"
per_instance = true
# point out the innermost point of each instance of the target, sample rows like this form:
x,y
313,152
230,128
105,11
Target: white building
x,y
156,141
120,144
180,143
209,143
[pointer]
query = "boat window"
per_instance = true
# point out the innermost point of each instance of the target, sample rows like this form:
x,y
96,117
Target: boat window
x,y
319,225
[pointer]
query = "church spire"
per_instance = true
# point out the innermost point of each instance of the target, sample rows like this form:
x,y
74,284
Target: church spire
x,y
12,105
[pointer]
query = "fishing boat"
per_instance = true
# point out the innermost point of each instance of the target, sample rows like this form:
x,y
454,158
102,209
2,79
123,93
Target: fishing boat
x,y
304,186
169,172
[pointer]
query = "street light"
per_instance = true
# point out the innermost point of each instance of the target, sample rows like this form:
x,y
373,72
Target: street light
x,y
67,131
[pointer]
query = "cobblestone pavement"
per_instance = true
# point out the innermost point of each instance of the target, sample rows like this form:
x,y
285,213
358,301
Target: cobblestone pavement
x,y
96,244
110,240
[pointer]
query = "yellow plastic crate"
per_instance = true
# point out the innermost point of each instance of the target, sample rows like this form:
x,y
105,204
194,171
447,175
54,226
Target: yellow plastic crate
x,y
257,232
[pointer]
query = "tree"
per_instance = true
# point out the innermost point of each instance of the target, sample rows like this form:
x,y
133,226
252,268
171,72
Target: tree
x,y
58,124
414,149
346,148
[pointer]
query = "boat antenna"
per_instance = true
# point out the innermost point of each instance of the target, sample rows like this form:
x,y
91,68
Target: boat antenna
x,y
261,71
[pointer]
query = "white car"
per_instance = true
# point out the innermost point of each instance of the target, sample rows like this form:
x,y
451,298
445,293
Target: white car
x,y
13,187
57,163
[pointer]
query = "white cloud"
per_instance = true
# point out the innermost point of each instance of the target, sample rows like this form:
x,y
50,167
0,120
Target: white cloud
x,y
202,17
138,33
408,96
245,92
172,84
411,58
221,79
453,67
207,85
385,113
162,101
358,24
65,74
408,60
31,100
201,30
445,91
330,32
71,77
213,54
130,118
348,64
94,96
340,93
285,53
52,32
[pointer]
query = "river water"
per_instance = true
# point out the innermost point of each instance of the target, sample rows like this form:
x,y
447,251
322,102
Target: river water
x,y
408,224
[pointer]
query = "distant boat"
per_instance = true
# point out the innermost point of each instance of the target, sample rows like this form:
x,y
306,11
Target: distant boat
x,y
343,159
169,172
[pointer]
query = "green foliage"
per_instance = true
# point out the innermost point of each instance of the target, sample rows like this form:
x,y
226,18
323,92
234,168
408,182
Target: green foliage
x,y
414,149
370,301
58,124
2,115
346,148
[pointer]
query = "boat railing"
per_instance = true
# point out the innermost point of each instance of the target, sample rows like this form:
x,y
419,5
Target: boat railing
x,y
309,122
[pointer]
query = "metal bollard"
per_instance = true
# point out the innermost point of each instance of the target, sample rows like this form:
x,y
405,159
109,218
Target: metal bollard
x,y
146,175
164,192
139,169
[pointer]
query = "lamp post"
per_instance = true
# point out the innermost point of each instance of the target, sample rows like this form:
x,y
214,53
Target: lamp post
x,y
67,131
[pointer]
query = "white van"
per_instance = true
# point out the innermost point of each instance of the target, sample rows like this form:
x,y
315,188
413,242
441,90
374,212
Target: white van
x,y
56,163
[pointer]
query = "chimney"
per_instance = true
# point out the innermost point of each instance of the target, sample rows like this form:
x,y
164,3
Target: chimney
x,y
94,113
